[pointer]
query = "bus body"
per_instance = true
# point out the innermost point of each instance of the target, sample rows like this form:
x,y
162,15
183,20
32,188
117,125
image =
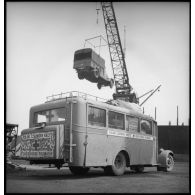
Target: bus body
x,y
91,66
79,132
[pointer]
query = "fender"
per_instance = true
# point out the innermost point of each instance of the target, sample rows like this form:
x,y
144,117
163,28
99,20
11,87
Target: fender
x,y
162,157
117,151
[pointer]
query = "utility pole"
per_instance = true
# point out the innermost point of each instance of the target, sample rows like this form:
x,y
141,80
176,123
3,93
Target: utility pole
x,y
155,113
177,116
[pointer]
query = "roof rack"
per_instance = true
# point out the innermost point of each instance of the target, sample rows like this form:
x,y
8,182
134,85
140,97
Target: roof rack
x,y
72,94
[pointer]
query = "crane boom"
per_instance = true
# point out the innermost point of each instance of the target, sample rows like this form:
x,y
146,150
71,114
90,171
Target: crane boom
x,y
123,88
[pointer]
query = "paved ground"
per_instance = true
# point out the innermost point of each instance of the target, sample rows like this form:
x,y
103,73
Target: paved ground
x,y
51,180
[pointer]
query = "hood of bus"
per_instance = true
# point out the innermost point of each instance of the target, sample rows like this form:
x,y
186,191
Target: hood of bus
x,y
42,142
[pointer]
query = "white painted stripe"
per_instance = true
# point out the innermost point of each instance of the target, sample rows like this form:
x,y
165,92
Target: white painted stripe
x,y
57,141
129,135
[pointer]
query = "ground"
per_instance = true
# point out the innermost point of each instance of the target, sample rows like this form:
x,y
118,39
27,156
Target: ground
x,y
51,180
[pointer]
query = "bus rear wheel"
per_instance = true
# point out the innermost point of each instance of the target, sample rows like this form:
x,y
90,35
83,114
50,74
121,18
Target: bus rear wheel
x,y
118,168
79,170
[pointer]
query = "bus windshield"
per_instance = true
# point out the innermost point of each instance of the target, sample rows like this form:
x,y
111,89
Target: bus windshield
x,y
48,116
82,56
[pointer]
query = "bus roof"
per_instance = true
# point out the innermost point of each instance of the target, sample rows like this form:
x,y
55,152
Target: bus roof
x,y
74,96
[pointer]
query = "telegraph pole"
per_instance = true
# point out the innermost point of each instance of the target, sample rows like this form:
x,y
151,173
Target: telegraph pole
x,y
177,116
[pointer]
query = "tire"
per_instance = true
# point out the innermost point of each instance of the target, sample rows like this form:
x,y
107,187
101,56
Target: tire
x,y
99,86
170,163
118,168
96,73
79,170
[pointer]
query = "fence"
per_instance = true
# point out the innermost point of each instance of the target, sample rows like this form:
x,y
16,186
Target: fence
x,y
175,138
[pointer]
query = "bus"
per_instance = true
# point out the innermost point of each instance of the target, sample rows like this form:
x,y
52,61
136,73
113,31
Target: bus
x,y
80,131
91,66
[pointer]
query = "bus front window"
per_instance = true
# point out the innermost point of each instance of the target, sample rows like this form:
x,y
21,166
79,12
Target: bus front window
x,y
146,127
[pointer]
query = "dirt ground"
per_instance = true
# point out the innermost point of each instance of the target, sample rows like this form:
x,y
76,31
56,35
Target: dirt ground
x,y
51,180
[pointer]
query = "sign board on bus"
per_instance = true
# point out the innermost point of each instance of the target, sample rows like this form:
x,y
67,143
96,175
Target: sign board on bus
x,y
38,145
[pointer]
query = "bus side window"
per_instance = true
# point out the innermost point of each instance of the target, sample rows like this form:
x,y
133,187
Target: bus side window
x,y
96,116
132,123
145,127
116,120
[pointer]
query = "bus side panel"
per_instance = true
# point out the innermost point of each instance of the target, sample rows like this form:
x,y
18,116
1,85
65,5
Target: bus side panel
x,y
115,145
140,151
97,147
133,146
79,148
79,133
146,152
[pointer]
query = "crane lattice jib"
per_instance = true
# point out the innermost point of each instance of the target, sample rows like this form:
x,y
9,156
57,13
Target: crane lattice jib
x,y
123,88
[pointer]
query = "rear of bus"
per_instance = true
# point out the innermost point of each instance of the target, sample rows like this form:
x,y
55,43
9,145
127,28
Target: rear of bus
x,y
49,138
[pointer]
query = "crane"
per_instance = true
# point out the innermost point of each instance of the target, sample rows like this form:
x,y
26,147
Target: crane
x,y
121,78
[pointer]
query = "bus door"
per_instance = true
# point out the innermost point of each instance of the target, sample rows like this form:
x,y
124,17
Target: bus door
x,y
147,142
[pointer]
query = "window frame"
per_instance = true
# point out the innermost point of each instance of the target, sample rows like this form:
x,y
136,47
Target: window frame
x,y
79,56
151,126
96,107
124,122
50,122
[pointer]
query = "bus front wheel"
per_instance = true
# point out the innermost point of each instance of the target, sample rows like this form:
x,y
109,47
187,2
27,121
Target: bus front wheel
x,y
79,170
118,168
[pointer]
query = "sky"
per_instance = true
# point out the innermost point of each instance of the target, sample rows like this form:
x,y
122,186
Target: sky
x,y
42,39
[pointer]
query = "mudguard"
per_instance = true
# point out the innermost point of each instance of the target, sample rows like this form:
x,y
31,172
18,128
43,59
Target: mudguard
x,y
162,157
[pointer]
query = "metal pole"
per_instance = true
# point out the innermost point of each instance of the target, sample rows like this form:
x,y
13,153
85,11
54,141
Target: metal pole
x,y
145,93
70,157
155,113
150,95
177,116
